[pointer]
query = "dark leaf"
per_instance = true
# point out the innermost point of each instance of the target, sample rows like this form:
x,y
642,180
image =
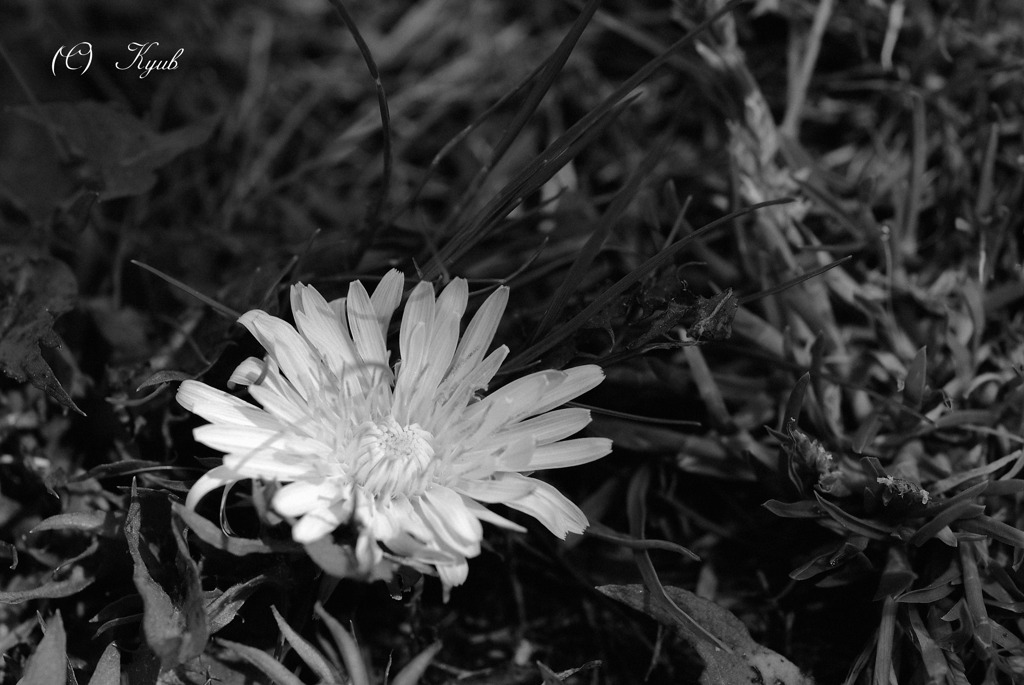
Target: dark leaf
x,y
76,581
161,377
107,523
221,610
997,530
795,402
913,385
34,290
119,152
714,317
855,524
548,677
586,255
413,671
9,551
121,468
794,510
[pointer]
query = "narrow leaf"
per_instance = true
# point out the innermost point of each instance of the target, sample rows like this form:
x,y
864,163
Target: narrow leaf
x,y
224,607
585,257
796,400
623,284
221,309
35,289
913,385
871,529
997,530
961,510
48,665
76,581
270,666
794,510
348,647
414,670
307,652
108,668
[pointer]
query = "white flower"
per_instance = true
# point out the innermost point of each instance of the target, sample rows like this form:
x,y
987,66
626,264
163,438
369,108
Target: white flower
x,y
407,456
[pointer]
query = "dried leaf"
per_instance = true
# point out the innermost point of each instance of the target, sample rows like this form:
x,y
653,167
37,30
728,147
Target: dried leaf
x,y
748,662
34,290
175,627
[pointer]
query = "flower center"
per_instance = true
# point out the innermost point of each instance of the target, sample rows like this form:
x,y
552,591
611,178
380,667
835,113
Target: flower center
x,y
392,459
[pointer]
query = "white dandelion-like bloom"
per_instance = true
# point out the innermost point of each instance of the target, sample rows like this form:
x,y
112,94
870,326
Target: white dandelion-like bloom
x,y
407,456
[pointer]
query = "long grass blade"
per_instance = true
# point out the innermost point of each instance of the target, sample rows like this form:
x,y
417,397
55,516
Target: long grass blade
x,y
221,309
529,179
374,211
623,284
468,233
541,85
797,280
597,238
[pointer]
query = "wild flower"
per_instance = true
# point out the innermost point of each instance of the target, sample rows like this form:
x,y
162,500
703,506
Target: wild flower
x,y
405,456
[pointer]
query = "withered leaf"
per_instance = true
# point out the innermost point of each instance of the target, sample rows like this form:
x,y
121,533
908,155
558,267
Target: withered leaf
x,y
35,289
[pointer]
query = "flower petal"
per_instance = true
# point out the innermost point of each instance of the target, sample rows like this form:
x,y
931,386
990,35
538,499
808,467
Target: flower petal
x,y
273,465
243,438
366,331
520,397
544,429
493,490
329,336
577,381
453,525
478,335
318,523
452,575
218,406
485,514
568,453
289,349
551,508
248,372
438,354
386,298
303,496
217,477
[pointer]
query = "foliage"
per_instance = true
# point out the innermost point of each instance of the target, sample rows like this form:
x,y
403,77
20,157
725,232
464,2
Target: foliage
x,y
785,229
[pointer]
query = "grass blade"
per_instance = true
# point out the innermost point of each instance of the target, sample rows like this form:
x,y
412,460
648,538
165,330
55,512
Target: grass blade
x,y
461,241
597,239
545,78
627,281
374,210
221,309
